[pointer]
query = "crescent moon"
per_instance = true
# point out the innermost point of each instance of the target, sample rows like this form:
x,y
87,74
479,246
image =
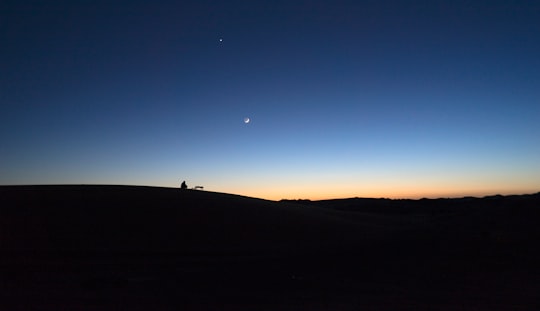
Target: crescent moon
x,y
246,120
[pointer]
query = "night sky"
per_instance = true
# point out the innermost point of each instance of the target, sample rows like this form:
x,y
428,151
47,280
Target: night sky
x,y
398,99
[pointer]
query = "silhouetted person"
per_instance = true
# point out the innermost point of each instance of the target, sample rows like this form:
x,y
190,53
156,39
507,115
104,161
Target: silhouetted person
x,y
183,186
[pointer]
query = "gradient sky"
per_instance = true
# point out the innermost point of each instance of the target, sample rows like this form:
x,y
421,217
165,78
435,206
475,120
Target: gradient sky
x,y
398,99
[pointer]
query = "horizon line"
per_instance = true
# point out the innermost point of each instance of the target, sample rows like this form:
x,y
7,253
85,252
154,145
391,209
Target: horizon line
x,y
284,199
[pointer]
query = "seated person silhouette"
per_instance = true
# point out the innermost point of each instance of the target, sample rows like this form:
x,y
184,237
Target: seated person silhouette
x,y
183,186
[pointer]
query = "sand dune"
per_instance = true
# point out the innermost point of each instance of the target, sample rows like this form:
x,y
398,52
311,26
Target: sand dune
x,y
147,219
146,248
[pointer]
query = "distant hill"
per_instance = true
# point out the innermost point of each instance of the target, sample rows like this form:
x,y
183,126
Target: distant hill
x,y
382,205
499,222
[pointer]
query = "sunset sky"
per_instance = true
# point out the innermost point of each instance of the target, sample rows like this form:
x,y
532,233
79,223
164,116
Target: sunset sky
x,y
397,99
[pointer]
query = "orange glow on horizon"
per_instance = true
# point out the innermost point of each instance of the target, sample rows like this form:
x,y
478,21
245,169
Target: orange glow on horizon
x,y
396,193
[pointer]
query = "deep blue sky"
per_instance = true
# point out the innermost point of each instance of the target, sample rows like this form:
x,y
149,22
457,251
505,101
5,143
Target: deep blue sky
x,y
347,98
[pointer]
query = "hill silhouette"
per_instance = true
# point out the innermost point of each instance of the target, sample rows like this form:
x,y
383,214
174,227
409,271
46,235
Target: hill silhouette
x,y
127,219
141,248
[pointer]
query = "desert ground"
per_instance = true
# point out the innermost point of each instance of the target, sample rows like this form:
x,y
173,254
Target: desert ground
x,y
97,247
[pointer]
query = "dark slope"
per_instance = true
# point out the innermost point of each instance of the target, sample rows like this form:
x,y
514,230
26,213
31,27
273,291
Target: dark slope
x,y
144,248
493,225
147,219
130,219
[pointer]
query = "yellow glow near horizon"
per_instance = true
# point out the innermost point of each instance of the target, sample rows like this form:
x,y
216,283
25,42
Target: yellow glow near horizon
x,y
377,191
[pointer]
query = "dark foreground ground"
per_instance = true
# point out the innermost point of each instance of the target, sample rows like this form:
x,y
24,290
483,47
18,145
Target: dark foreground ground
x,y
142,248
